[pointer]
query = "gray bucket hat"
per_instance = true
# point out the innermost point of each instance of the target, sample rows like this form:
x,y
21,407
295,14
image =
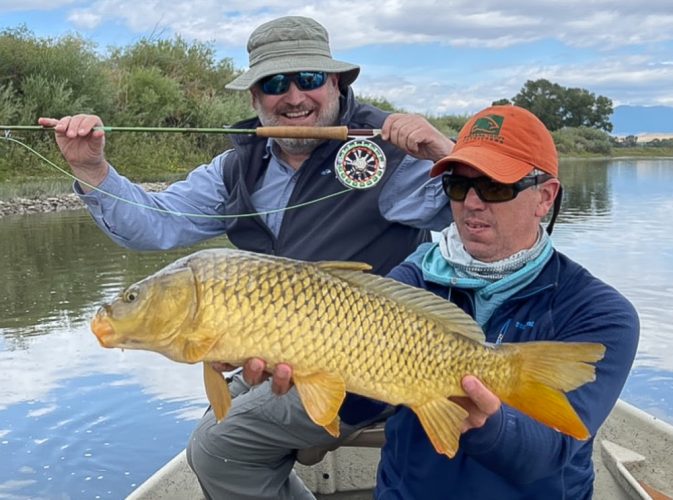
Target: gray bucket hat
x,y
291,44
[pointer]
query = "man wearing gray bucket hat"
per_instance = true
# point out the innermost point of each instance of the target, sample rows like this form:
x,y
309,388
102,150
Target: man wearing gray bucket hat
x,y
290,45
293,81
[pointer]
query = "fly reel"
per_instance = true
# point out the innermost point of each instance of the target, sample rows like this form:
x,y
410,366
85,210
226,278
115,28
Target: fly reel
x,y
360,164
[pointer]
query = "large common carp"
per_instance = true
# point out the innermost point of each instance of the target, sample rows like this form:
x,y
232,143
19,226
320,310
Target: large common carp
x,y
340,329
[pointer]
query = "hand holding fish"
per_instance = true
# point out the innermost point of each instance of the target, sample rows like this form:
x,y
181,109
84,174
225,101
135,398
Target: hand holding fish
x,y
81,146
479,402
415,135
254,373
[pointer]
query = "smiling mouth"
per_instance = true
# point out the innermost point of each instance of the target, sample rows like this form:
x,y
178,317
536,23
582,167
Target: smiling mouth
x,y
296,115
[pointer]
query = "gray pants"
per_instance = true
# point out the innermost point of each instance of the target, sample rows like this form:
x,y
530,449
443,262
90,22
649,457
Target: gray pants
x,y
251,453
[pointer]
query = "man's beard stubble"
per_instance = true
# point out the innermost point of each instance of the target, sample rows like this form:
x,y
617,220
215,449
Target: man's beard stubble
x,y
328,116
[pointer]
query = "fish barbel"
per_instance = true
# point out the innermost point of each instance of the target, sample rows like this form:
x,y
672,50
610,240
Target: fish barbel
x,y
340,329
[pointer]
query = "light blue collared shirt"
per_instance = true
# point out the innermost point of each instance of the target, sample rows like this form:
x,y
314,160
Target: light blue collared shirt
x,y
187,211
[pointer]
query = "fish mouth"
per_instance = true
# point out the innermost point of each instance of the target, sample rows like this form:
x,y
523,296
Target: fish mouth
x,y
102,328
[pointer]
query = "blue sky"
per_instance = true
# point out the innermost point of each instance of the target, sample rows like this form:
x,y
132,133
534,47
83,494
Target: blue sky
x,y
428,56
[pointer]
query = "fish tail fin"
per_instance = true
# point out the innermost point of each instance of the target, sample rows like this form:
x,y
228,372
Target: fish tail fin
x,y
546,371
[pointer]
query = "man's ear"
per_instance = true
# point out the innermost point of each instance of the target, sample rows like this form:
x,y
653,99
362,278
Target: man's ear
x,y
548,193
334,77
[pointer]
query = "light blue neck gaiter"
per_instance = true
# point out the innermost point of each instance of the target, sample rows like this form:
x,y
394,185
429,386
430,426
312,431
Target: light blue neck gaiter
x,y
447,263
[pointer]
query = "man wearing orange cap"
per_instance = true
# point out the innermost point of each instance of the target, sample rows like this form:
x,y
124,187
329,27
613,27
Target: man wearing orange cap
x,y
497,263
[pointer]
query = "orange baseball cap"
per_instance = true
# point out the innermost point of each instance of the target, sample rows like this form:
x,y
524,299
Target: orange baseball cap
x,y
505,143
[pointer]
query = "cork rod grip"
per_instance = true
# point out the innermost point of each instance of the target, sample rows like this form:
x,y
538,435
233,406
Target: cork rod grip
x,y
336,133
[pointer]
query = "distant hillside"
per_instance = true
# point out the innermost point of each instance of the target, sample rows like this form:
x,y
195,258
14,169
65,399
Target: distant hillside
x,y
636,120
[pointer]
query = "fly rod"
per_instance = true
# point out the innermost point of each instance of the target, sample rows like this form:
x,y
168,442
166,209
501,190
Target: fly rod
x,y
339,133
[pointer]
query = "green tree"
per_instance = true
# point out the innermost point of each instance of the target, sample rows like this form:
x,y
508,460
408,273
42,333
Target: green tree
x,y
501,102
67,66
544,99
559,107
582,108
379,102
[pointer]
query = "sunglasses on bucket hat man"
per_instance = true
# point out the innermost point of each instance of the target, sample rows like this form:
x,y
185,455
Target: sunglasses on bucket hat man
x,y
279,84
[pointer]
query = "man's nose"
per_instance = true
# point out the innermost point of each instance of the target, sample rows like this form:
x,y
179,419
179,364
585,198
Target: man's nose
x,y
293,93
472,198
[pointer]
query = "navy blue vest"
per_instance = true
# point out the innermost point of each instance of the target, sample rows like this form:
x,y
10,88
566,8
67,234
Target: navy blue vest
x,y
346,227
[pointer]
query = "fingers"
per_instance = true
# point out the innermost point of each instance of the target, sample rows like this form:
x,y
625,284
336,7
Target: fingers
x,y
487,402
47,122
404,131
254,371
479,402
222,367
416,135
282,379
74,126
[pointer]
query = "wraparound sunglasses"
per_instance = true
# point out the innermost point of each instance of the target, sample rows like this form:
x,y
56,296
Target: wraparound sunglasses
x,y
456,187
304,80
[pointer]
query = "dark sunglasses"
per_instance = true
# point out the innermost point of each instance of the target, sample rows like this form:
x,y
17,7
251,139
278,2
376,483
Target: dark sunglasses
x,y
304,80
456,187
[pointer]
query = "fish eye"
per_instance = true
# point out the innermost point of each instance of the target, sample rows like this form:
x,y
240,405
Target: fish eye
x,y
130,295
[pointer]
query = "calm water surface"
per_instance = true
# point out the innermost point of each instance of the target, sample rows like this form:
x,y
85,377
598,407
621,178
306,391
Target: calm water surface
x,y
80,421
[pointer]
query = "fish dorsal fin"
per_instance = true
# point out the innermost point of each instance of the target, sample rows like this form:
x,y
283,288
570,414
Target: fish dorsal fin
x,y
217,391
426,303
336,265
322,394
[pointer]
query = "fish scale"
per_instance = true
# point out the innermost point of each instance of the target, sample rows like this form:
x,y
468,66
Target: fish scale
x,y
340,329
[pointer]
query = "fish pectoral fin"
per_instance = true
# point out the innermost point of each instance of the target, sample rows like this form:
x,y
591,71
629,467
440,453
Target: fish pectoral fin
x,y
217,391
442,420
321,394
194,351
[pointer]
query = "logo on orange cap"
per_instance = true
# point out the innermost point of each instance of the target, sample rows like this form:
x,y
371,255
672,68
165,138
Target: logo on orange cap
x,y
486,127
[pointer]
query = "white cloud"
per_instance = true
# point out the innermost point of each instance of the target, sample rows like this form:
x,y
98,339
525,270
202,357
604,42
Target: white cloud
x,y
354,23
84,19
620,50
19,5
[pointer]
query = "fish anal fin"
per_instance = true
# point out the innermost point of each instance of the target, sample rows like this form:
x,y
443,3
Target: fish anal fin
x,y
217,391
442,420
334,427
321,394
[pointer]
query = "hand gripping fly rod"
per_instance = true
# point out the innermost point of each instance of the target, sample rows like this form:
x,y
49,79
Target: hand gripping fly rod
x,y
339,133
359,163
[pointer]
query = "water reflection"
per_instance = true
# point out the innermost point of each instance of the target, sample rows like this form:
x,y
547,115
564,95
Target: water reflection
x,y
586,192
628,243
76,420
79,421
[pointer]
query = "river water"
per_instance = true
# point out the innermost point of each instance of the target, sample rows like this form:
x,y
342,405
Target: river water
x,y
79,421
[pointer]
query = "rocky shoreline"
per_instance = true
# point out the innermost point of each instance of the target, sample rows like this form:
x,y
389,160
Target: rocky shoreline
x,y
59,203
